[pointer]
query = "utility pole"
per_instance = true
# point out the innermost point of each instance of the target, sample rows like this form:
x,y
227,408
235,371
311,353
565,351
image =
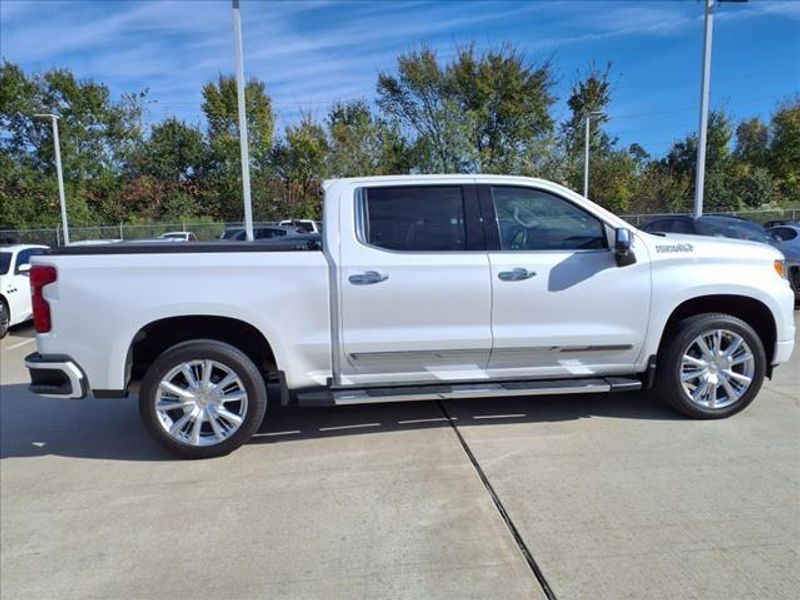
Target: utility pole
x,y
702,132
594,113
61,199
245,154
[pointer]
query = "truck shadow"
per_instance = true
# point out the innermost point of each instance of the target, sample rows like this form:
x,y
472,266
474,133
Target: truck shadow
x,y
110,429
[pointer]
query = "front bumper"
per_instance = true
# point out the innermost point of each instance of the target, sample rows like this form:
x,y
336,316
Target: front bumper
x,y
56,376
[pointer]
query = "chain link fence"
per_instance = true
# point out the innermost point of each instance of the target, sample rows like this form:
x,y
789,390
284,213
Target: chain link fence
x,y
123,231
212,231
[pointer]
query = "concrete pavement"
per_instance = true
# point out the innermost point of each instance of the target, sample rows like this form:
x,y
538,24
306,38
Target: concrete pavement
x,y
613,496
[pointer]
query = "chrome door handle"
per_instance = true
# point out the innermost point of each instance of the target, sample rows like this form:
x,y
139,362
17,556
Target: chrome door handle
x,y
367,278
517,274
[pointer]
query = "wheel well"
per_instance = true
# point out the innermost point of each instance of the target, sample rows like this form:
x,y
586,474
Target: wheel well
x,y
751,311
153,339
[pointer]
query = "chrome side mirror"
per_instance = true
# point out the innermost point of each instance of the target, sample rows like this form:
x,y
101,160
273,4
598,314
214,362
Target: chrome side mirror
x,y
623,247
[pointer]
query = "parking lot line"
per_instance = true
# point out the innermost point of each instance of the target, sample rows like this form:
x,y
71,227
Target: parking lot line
x,y
22,343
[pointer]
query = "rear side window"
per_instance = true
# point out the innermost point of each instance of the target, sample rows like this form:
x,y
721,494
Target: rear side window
x,y
5,262
415,219
531,219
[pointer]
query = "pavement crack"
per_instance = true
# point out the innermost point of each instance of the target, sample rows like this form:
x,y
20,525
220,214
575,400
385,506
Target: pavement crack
x,y
515,534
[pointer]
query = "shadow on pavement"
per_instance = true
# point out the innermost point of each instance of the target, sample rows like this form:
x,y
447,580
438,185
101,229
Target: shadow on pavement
x,y
109,429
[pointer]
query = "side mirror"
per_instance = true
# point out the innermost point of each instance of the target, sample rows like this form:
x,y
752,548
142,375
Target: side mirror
x,y
24,269
623,252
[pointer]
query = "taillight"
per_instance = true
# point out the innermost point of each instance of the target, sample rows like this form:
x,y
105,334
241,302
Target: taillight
x,y
40,276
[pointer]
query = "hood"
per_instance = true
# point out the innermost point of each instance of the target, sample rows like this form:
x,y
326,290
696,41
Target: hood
x,y
674,245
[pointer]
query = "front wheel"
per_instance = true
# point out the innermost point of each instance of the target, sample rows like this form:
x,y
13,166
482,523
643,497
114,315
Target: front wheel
x,y
202,398
712,366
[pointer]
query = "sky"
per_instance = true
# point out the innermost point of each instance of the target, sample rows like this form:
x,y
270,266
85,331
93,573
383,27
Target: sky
x,y
313,53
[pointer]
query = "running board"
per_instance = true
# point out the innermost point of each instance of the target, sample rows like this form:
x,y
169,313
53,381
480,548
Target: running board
x,y
342,397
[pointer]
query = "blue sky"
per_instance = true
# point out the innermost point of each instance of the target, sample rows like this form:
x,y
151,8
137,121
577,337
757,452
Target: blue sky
x,y
312,53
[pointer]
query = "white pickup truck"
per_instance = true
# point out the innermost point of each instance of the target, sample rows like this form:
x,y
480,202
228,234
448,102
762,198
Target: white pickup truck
x,y
422,287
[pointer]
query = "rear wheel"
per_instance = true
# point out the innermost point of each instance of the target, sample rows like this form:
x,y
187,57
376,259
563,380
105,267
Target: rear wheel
x,y
5,318
202,399
711,367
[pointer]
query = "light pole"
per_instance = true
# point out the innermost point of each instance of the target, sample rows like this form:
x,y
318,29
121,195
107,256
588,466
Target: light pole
x,y
702,133
594,113
237,42
61,199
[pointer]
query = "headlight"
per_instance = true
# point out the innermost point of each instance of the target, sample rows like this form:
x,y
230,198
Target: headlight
x,y
780,268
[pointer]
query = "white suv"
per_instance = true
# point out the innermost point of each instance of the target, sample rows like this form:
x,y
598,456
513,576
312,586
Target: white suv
x,y
15,290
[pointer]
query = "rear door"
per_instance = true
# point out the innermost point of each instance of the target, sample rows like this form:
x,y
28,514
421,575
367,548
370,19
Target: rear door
x,y
414,286
561,306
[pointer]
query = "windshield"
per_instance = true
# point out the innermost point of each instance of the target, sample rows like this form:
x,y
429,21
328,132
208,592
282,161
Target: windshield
x,y
741,230
233,234
5,262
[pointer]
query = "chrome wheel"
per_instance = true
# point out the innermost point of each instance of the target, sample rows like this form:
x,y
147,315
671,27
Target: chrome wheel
x,y
201,402
717,368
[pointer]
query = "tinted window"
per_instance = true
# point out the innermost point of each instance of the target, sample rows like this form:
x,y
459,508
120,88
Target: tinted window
x,y
732,228
784,233
422,219
233,234
535,220
5,262
681,226
266,233
661,226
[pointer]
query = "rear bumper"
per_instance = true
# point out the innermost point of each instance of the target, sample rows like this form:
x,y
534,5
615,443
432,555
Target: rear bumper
x,y
56,376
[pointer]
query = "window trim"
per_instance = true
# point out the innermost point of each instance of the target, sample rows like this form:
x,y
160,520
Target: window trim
x,y
473,226
492,225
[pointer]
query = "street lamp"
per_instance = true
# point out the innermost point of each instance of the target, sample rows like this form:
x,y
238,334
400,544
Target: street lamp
x,y
237,42
594,113
62,201
700,176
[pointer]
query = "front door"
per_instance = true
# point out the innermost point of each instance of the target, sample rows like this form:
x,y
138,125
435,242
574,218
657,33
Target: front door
x,y
415,291
561,306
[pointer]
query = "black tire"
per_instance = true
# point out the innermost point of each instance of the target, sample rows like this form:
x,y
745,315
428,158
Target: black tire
x,y
5,318
223,353
668,384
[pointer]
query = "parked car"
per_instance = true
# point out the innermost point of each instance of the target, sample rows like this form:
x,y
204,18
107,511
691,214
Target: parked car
x,y
96,242
15,291
260,233
788,237
304,225
730,227
425,287
183,236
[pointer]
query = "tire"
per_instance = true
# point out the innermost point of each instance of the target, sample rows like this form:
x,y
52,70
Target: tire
x,y
5,318
680,374
176,391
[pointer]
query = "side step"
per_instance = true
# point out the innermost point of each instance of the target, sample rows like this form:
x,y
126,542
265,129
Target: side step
x,y
340,397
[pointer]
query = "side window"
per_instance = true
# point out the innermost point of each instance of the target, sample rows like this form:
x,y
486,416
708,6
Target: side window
x,y
785,233
531,219
420,219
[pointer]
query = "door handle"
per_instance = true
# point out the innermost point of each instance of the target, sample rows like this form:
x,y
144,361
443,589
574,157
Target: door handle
x,y
367,278
517,274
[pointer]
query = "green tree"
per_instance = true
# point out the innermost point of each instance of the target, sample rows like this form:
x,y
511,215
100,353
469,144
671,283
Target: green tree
x,y
479,113
784,152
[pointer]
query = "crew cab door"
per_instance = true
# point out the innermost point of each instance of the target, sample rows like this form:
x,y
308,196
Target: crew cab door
x,y
414,286
561,305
